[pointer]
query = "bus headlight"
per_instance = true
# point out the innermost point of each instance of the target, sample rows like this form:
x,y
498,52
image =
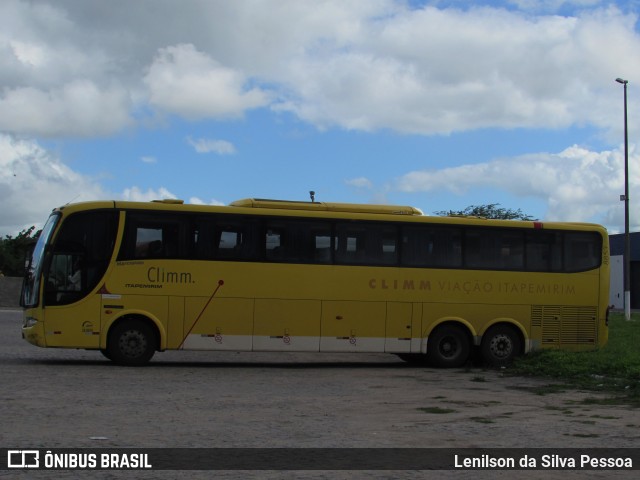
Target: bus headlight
x,y
29,322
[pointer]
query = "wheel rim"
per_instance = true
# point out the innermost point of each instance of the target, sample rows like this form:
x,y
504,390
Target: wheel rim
x,y
133,344
501,346
449,347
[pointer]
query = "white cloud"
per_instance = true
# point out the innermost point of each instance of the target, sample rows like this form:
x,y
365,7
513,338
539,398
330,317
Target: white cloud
x,y
576,184
551,5
360,182
209,145
28,53
436,71
213,201
187,82
79,108
135,194
80,68
148,159
33,182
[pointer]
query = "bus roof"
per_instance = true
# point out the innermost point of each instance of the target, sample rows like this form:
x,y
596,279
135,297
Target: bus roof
x,y
342,210
326,206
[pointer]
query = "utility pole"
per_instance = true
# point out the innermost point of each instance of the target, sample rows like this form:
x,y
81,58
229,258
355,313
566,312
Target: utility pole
x,y
627,241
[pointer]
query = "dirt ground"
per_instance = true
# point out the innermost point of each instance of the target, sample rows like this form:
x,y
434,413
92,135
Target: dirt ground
x,y
54,398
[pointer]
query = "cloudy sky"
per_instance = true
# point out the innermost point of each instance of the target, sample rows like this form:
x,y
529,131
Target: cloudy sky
x,y
436,104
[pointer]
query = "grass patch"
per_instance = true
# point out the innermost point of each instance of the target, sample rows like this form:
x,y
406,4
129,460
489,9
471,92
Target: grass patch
x,y
482,420
613,369
437,410
546,389
562,410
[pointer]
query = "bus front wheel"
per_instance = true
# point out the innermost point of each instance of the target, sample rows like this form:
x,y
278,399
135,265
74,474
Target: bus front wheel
x,y
448,347
500,345
131,342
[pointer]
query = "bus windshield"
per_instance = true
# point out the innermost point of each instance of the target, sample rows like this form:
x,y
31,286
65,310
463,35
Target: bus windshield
x,y
31,285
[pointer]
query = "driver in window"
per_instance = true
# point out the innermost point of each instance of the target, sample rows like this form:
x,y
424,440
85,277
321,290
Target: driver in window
x,y
76,277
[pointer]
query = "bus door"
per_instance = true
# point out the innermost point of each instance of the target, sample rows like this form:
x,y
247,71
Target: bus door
x,y
71,313
74,268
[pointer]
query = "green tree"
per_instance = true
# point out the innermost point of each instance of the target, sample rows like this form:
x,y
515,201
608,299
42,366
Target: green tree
x,y
491,210
13,251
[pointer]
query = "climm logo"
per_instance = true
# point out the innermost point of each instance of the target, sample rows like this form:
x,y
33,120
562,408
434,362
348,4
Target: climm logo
x,y
406,284
160,275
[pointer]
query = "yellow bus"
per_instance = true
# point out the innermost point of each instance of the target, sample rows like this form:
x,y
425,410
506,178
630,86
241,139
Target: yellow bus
x,y
130,279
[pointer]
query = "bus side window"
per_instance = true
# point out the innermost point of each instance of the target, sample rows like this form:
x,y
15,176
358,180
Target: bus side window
x,y
350,244
429,246
366,244
543,251
154,236
234,240
582,251
446,248
415,246
321,246
274,245
511,250
494,249
386,249
201,239
479,248
229,243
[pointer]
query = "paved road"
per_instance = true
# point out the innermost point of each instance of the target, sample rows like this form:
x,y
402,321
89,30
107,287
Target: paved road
x,y
52,398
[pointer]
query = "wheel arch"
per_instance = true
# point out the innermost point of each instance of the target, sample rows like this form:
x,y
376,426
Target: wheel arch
x,y
150,320
453,321
509,322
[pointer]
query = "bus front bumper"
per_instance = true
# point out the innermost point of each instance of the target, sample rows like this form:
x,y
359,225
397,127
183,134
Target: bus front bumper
x,y
33,331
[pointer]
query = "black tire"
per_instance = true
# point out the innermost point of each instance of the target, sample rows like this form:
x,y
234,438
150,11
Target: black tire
x,y
448,347
131,342
500,345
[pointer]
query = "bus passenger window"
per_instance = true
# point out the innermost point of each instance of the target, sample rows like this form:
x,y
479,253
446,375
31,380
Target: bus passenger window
x,y
511,250
494,249
229,244
229,239
446,248
543,251
582,251
297,241
322,247
274,246
154,236
148,242
386,248
366,244
157,240
350,244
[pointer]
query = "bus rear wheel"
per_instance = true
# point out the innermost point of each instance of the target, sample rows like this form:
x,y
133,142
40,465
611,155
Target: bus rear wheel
x,y
131,343
501,344
448,347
